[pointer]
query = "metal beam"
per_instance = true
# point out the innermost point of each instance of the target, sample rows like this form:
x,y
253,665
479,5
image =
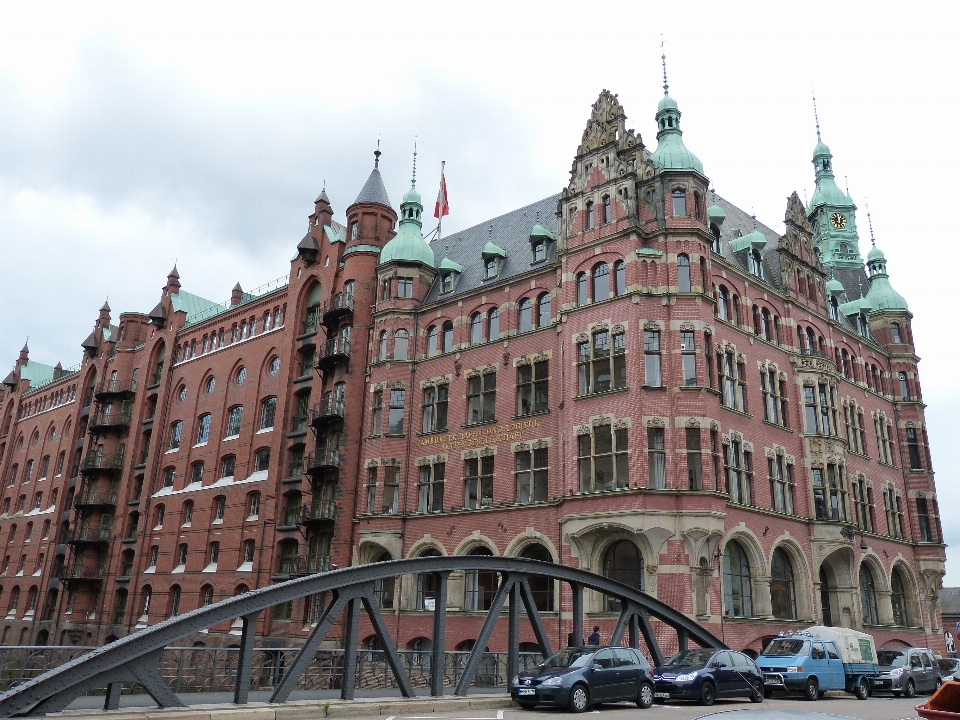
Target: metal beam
x,y
439,656
241,686
480,645
533,614
386,642
513,632
351,633
577,590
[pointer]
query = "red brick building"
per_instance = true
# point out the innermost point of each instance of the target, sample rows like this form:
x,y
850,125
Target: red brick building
x,y
633,377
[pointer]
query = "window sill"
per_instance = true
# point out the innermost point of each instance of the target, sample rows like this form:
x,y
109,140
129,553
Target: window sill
x,y
602,393
531,415
171,450
261,431
653,387
886,464
780,427
741,413
287,528
440,431
479,424
694,388
394,435
199,444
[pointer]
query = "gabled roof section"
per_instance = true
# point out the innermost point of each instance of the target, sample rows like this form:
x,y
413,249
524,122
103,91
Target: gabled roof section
x,y
193,305
511,233
373,191
335,232
36,373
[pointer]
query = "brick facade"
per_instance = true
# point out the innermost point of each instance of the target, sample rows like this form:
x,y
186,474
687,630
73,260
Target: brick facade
x,y
639,346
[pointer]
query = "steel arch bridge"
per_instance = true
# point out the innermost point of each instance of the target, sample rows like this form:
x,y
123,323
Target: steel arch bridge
x,y
135,658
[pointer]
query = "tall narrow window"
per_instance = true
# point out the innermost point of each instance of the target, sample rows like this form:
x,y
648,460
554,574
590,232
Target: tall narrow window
x,y
688,358
619,278
694,459
756,263
683,274
531,475
476,329
868,596
203,429
601,282
656,458
268,411
679,202
401,341
371,490
233,421
478,479
737,582
895,332
526,315
377,415
432,341
783,594
493,325
447,336
175,431
482,398
582,299
862,504
532,396
435,408
723,309
590,215
607,216
737,472
543,310
622,562
913,449
732,382
382,349
391,490
781,485
772,400
602,459
395,420
829,493
430,489
598,368
904,387
651,358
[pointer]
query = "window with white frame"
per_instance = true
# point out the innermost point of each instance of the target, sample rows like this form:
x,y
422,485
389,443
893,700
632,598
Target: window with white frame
x,y
531,474
482,398
602,459
532,380
738,472
830,493
478,481
435,398
600,367
430,488
656,459
774,394
781,484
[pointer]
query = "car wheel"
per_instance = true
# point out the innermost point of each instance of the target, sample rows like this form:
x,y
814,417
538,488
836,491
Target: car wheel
x,y
911,689
812,689
645,696
579,699
708,693
768,693
757,694
862,690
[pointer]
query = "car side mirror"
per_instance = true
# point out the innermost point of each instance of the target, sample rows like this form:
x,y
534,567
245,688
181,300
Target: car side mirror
x,y
597,666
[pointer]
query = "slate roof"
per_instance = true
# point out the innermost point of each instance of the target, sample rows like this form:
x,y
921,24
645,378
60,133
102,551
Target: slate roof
x,y
373,191
950,601
511,232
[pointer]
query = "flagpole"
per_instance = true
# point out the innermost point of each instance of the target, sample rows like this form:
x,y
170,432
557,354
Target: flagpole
x,y
443,164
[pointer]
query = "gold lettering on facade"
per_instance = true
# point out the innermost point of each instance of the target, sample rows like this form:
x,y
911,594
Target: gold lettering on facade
x,y
487,435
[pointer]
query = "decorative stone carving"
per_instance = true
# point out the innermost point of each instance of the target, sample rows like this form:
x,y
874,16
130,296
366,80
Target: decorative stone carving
x,y
581,337
656,422
601,420
748,446
372,463
687,326
598,326
581,429
651,325
457,367
714,426
618,329
693,423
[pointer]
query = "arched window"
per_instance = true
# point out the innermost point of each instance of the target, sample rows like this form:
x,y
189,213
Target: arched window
x,y
723,309
476,329
715,231
601,282
895,333
868,596
783,596
582,289
737,589
834,309
683,273
541,586
493,325
526,315
543,310
898,599
479,586
735,302
401,343
765,325
622,562
382,352
619,278
447,336
432,341
589,211
607,216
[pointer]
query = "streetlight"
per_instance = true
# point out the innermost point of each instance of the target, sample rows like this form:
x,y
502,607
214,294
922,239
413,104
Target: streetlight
x,y
718,555
850,533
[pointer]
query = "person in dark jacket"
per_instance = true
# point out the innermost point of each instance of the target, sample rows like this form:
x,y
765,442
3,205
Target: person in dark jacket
x,y
594,639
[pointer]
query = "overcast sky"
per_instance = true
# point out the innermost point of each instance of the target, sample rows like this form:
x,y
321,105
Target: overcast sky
x,y
134,135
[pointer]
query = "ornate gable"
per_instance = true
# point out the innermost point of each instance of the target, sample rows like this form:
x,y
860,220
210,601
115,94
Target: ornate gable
x,y
607,124
798,238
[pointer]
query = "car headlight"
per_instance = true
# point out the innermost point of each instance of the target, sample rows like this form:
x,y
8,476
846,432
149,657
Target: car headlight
x,y
686,677
516,680
896,672
552,681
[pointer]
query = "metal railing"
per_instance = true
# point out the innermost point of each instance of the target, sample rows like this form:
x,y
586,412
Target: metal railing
x,y
320,511
90,534
258,292
328,407
107,418
812,352
323,458
82,572
333,349
96,494
102,461
117,385
338,304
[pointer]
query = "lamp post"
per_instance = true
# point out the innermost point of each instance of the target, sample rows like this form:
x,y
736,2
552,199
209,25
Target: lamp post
x,y
718,555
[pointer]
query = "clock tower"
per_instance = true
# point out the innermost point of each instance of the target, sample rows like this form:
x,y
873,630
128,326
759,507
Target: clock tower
x,y
832,214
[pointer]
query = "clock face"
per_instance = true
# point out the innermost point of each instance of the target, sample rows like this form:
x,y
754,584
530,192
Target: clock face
x,y
838,220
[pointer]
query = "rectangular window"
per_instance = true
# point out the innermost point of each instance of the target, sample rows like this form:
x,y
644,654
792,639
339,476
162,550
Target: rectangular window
x,y
694,460
651,357
175,431
233,421
599,369
532,388
404,287
531,475
679,202
168,475
923,516
913,448
689,358
829,493
478,482
656,458
602,459
482,398
732,382
395,419
377,412
220,508
391,490
435,408
372,490
781,485
268,411
430,491
737,473
862,505
773,402
196,473
715,454
227,465
203,430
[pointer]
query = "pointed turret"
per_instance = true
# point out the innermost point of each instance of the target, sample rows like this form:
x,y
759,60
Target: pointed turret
x,y
236,295
373,191
173,282
671,152
408,244
882,296
24,354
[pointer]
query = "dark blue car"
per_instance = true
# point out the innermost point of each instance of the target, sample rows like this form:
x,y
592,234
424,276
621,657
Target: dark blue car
x,y
579,677
705,675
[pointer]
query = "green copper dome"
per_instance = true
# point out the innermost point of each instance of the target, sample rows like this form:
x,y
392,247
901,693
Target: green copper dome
x,y
834,287
716,214
666,103
539,231
671,152
408,244
821,149
875,254
882,296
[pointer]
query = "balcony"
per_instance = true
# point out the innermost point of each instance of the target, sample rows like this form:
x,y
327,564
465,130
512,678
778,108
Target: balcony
x,y
323,462
320,515
335,308
327,412
95,461
312,565
96,495
116,387
812,352
81,571
104,419
331,352
89,535
311,324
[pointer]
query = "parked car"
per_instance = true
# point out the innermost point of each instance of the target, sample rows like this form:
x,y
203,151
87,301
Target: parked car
x,y
705,675
949,668
579,677
907,671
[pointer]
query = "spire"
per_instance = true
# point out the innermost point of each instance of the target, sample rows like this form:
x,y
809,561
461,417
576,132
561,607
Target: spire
x,y
413,182
373,191
663,59
376,156
873,240
408,245
816,118
671,153
173,273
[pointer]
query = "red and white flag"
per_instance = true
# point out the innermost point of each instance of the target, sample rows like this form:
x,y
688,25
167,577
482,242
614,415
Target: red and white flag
x,y
443,203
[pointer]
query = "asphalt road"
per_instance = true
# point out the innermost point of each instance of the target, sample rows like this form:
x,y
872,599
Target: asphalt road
x,y
834,704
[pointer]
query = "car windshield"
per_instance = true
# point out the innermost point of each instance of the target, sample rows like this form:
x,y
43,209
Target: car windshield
x,y
948,664
690,657
570,657
893,658
787,648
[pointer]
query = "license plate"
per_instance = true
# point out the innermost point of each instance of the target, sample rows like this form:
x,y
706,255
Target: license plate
x,y
526,691
662,696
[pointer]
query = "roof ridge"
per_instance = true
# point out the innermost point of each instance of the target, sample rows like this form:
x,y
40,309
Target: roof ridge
x,y
487,222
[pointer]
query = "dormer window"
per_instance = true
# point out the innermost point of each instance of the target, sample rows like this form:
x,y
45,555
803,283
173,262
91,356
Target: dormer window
x,y
756,263
834,309
446,283
539,250
491,268
715,231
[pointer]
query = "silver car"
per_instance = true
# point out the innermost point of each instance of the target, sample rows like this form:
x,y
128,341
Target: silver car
x,y
907,671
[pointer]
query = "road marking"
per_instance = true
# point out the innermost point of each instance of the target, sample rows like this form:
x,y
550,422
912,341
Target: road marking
x,y
499,714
